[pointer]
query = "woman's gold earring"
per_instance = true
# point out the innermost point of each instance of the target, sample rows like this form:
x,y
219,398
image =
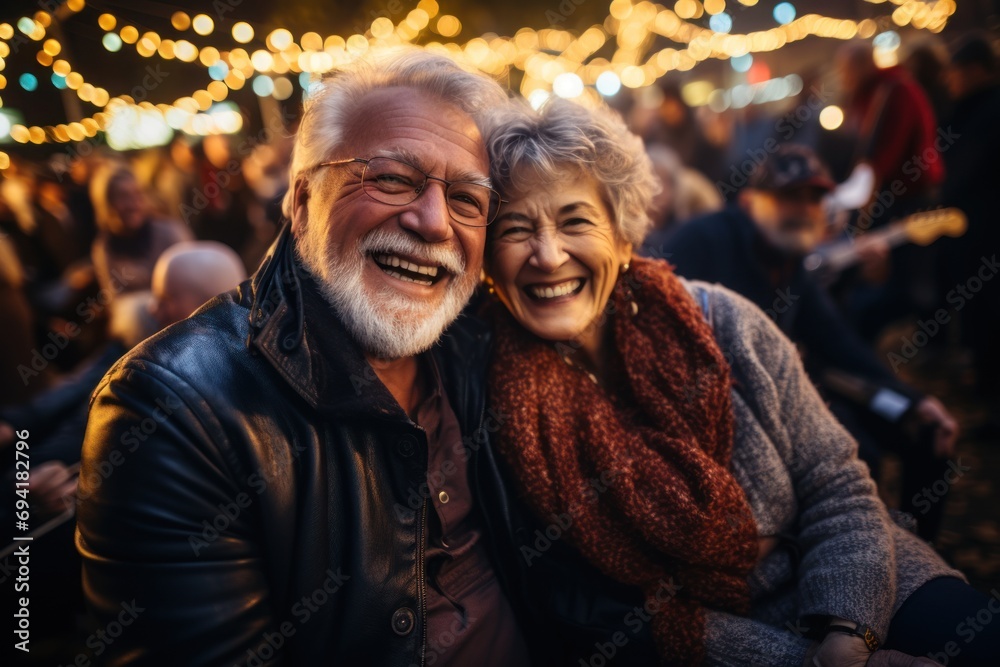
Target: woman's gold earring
x,y
484,277
633,306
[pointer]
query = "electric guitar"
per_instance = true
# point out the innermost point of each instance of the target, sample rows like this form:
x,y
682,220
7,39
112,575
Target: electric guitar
x,y
920,228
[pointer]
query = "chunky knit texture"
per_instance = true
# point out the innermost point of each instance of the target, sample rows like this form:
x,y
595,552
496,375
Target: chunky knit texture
x,y
674,510
801,474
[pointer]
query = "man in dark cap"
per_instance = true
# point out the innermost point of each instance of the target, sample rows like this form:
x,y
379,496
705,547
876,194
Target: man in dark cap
x,y
756,247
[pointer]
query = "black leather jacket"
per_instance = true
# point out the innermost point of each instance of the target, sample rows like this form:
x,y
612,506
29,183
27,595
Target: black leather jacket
x,y
247,485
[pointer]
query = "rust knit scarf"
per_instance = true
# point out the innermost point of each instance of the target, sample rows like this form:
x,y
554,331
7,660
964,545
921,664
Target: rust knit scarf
x,y
673,510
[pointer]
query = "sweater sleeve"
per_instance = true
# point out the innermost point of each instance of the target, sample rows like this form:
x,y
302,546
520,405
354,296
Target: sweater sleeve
x,y
848,566
737,641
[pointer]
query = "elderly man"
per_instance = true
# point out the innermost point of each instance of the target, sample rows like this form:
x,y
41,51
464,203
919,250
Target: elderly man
x,y
298,473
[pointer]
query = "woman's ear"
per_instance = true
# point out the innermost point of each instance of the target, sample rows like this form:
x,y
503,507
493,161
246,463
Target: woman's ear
x,y
300,206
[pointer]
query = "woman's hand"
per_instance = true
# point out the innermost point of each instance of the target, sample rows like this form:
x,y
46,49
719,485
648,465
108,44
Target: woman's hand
x,y
839,650
897,659
843,650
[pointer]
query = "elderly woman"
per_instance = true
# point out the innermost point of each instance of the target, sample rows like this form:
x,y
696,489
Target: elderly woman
x,y
131,235
692,499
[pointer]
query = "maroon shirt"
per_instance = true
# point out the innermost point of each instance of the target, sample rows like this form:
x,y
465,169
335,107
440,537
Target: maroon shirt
x,y
894,112
469,621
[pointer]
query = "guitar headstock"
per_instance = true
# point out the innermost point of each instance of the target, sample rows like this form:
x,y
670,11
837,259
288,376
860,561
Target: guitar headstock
x,y
926,227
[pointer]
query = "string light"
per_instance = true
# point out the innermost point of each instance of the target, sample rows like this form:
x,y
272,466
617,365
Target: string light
x,y
544,56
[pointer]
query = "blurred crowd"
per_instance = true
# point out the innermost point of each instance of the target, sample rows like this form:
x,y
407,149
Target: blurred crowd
x,y
98,252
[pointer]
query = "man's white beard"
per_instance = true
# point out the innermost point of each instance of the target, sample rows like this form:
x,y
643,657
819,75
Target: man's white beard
x,y
386,323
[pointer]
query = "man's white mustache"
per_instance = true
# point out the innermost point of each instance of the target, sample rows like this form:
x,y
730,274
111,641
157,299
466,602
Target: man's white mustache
x,y
383,241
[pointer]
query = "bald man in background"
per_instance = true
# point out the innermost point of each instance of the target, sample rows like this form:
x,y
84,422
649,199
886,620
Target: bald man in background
x,y
189,274
185,276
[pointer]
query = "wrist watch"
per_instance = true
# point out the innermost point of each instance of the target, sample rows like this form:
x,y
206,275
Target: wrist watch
x,y
869,636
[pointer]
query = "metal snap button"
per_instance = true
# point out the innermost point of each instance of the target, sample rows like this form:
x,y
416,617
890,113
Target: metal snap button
x,y
443,497
403,621
406,446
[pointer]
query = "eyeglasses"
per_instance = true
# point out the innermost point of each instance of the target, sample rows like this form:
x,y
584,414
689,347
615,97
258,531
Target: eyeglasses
x,y
394,182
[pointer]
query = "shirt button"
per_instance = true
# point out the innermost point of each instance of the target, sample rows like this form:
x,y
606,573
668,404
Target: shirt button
x,y
443,497
406,446
403,621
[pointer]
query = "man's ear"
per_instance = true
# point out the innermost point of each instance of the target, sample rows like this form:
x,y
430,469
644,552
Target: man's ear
x,y
300,206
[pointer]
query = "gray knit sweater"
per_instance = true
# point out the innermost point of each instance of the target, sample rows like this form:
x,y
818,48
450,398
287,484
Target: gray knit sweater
x,y
801,474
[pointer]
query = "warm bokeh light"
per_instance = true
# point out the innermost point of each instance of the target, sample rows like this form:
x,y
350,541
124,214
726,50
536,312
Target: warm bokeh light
x,y
203,24
243,32
129,34
448,26
283,88
209,55
312,41
180,21
831,117
279,40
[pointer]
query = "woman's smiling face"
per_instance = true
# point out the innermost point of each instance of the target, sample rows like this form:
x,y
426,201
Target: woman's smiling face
x,y
554,256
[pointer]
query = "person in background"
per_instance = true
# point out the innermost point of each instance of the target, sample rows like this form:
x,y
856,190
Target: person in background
x,y
54,421
676,124
190,273
174,177
35,238
685,194
755,248
186,275
131,236
895,122
971,184
898,140
217,210
16,336
927,63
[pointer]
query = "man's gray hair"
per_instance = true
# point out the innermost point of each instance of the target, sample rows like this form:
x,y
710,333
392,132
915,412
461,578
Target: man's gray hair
x,y
332,102
527,147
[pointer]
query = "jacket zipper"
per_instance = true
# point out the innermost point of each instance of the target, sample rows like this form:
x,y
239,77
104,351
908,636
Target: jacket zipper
x,y
421,581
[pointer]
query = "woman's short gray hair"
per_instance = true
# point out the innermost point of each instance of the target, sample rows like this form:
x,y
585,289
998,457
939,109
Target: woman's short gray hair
x,y
527,145
331,104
